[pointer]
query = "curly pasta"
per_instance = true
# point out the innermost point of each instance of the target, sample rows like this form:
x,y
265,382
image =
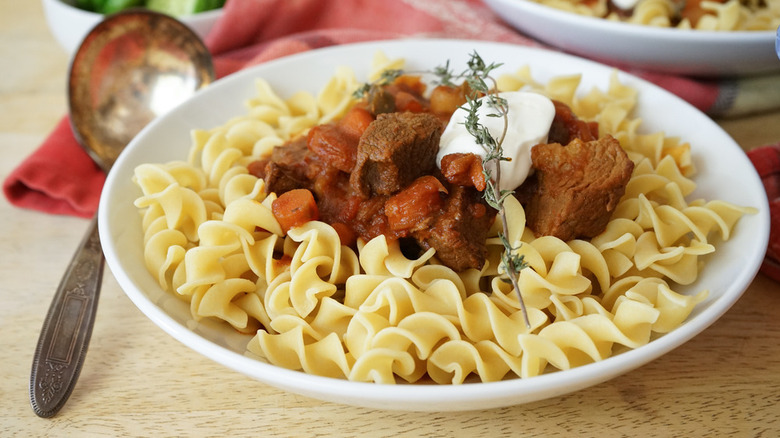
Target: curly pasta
x,y
726,15
375,315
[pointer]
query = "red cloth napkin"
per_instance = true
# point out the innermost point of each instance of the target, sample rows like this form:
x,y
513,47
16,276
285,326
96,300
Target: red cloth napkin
x,y
60,178
767,163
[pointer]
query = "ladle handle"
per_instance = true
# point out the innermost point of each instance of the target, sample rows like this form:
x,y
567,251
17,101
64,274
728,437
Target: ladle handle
x,y
66,330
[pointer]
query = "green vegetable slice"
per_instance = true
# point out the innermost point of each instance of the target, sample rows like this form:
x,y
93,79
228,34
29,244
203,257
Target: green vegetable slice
x,y
183,7
90,5
113,6
171,7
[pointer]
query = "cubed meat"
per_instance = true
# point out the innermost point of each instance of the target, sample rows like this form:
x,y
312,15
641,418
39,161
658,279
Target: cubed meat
x,y
459,232
566,126
395,149
285,170
290,154
577,187
279,179
380,101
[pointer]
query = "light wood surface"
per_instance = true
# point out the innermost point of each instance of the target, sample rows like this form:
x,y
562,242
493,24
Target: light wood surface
x,y
138,381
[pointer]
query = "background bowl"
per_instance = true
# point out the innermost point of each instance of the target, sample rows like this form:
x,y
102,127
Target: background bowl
x,y
70,25
664,50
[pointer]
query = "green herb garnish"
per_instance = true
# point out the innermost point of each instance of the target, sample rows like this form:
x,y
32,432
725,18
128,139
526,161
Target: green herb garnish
x,y
477,77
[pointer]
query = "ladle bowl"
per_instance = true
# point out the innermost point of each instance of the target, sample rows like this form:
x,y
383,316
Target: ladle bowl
x,y
130,68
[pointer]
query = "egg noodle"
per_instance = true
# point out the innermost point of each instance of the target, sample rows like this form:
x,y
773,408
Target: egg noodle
x,y
730,15
374,315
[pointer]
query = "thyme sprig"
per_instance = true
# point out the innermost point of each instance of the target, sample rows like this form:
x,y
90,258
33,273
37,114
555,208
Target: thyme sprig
x,y
483,92
477,76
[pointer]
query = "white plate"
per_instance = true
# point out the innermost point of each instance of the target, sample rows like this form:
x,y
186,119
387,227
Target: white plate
x,y
726,173
677,51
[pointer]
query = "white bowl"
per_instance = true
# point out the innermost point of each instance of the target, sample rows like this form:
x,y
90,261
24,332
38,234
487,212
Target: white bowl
x,y
725,173
665,50
70,25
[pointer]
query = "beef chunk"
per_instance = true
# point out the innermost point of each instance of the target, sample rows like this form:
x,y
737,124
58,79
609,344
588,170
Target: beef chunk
x,y
458,233
566,126
577,187
370,220
279,179
291,154
395,149
380,101
285,170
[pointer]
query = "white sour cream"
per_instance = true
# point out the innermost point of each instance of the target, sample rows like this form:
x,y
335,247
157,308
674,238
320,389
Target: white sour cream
x,y
626,5
529,118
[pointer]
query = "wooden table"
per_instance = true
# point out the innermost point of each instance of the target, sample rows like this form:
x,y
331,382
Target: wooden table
x,y
139,381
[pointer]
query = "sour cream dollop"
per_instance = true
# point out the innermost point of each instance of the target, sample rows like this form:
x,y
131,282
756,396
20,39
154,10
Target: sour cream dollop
x,y
528,124
626,5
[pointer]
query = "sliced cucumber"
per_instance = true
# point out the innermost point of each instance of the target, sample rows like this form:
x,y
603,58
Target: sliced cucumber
x,y
171,7
90,5
183,7
113,6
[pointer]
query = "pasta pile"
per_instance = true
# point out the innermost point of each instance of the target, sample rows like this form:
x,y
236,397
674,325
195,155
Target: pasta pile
x,y
374,315
729,15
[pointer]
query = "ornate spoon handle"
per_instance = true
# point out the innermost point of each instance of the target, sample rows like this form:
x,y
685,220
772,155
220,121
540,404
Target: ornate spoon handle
x,y
67,328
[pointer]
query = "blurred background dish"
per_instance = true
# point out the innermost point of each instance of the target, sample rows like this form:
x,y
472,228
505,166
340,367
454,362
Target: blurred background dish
x,y
70,24
664,50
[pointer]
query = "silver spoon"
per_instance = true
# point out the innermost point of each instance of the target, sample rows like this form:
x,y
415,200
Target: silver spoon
x,y
131,68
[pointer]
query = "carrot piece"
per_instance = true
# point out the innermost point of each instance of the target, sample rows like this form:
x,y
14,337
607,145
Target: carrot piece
x,y
464,170
405,101
416,202
295,208
355,121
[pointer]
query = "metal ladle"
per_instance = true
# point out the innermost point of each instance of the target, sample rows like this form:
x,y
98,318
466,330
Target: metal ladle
x,y
131,68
